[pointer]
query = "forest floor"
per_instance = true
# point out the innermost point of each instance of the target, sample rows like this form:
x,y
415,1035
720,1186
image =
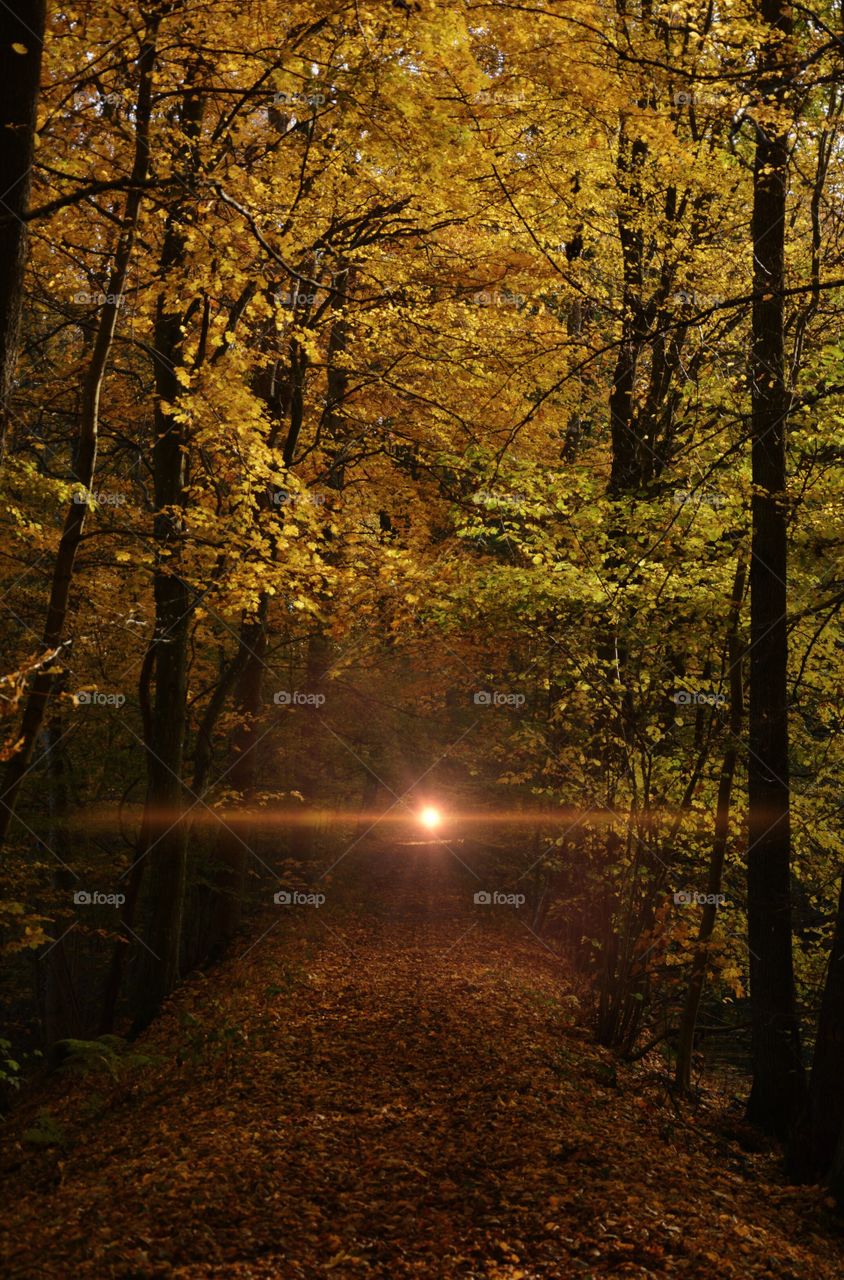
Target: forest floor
x,y
396,1086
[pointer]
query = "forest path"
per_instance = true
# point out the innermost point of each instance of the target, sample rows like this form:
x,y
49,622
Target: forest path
x,y
393,1088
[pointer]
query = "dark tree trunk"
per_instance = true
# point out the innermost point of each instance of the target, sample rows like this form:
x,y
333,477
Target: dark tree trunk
x,y
164,821
166,743
203,749
836,1178
165,755
778,1077
128,911
232,849
308,735
62,1016
821,1126
697,978
86,450
21,44
628,468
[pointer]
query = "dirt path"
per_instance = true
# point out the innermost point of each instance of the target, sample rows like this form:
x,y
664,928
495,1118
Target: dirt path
x,y
395,1089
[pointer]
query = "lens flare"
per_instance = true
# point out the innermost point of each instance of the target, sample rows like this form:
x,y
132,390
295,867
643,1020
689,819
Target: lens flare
x,y
430,817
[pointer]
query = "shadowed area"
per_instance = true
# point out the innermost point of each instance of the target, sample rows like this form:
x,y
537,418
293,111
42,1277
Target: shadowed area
x,y
393,1085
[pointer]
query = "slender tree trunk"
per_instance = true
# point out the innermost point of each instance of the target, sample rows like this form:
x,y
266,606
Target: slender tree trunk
x,y
129,909
309,768
22,25
308,733
821,1125
778,1077
166,833
61,1006
836,1177
628,467
683,1076
232,850
86,449
203,749
167,851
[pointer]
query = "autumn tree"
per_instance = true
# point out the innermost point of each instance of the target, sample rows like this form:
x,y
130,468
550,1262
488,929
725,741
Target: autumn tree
x,y
22,30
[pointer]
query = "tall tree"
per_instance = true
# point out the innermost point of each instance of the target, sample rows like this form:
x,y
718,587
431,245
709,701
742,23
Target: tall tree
x,y
165,743
22,24
230,862
697,976
820,1128
87,442
778,1076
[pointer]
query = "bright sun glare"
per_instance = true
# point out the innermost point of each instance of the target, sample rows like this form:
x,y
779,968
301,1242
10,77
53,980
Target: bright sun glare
x,y
430,817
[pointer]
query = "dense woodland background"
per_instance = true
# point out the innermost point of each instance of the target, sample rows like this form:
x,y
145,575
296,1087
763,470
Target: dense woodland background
x,y
439,404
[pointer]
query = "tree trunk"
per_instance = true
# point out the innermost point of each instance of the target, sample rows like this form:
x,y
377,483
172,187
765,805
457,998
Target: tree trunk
x,y
167,830
836,1178
114,978
821,1126
628,465
61,1006
232,849
22,25
308,769
86,449
165,756
166,833
685,1047
778,1077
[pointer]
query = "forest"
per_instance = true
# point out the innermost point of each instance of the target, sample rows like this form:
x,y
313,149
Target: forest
x,y
421,586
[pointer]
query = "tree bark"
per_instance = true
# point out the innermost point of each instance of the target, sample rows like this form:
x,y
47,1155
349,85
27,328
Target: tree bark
x,y
232,849
167,831
22,26
821,1126
628,464
114,978
688,1023
778,1077
61,1006
86,448
836,1178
